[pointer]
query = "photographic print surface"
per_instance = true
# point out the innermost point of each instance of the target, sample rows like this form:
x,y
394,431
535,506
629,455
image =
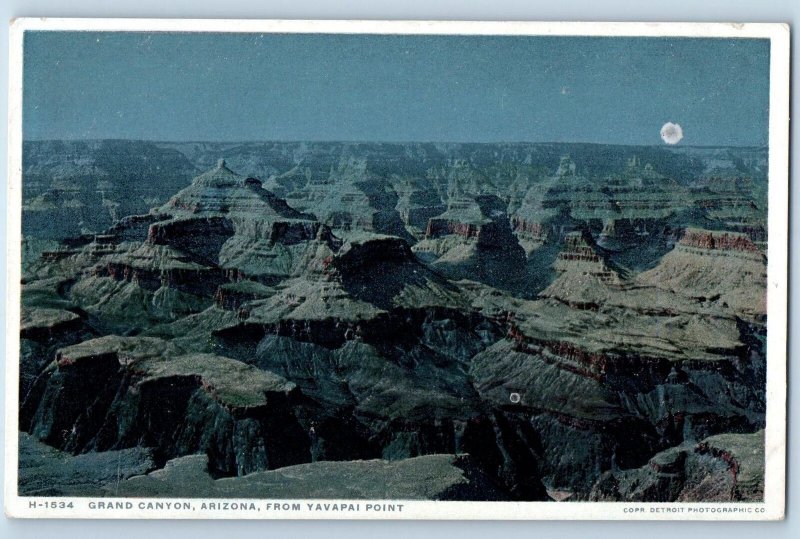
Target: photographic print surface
x,y
376,269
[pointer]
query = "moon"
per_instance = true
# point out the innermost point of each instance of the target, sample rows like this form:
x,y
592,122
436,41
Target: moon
x,y
671,133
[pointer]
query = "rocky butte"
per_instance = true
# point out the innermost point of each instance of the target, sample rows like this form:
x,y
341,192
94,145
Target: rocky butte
x,y
451,322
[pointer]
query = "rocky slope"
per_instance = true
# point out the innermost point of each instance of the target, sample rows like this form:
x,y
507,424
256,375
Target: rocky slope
x,y
45,471
473,240
377,309
71,188
722,468
722,267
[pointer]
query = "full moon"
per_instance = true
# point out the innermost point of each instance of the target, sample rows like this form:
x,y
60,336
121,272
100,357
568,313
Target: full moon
x,y
671,133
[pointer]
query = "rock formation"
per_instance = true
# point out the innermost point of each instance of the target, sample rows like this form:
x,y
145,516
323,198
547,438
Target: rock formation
x,y
715,266
504,322
722,468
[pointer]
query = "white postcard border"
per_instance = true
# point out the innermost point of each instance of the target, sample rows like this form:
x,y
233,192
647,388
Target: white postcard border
x,y
777,291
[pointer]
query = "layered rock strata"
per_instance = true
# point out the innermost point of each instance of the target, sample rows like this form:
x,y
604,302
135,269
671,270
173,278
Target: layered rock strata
x,y
228,333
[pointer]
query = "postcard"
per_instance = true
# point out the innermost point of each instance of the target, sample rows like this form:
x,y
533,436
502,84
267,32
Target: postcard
x,y
396,270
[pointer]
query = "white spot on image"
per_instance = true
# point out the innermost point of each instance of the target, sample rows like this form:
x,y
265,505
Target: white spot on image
x,y
515,398
671,133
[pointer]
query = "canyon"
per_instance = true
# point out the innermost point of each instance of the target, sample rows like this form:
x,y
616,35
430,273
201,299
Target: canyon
x,y
531,322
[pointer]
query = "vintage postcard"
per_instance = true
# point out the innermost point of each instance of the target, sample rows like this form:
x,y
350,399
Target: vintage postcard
x,y
404,270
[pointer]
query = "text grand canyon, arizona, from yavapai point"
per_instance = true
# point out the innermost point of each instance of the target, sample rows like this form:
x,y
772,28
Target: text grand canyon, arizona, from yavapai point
x,y
483,320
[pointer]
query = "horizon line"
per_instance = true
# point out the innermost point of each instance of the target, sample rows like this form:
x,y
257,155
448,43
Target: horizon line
x,y
399,142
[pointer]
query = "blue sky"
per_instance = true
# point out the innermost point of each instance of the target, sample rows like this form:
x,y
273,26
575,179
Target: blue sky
x,y
236,87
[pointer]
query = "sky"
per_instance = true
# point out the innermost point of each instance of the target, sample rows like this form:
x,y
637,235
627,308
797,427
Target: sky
x,y
247,87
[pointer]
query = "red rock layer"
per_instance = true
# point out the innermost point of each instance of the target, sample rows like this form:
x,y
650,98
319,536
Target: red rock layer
x,y
721,241
441,227
521,225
